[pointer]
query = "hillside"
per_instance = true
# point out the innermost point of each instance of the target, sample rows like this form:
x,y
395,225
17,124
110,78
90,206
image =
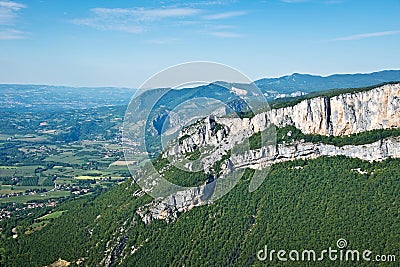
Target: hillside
x,y
317,189
306,208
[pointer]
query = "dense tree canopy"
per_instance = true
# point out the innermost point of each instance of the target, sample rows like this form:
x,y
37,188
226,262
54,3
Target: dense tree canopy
x,y
301,205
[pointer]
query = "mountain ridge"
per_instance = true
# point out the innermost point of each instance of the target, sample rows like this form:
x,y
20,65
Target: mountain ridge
x,y
305,202
216,138
312,197
292,85
311,83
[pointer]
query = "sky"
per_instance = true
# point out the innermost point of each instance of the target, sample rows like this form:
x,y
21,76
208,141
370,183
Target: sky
x,y
122,43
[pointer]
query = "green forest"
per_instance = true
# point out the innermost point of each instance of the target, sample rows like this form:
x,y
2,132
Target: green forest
x,y
300,205
289,134
66,166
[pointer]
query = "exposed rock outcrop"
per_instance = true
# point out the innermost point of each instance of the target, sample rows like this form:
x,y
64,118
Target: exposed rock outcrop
x,y
266,156
345,114
169,208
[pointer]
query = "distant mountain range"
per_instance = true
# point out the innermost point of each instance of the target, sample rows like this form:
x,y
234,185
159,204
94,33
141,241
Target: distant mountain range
x,y
44,97
296,84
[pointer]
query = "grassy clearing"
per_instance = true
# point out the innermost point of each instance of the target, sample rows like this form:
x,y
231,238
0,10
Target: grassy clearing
x,y
36,226
43,221
53,215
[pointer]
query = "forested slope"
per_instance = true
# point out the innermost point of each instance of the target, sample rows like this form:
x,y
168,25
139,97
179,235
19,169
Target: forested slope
x,y
301,205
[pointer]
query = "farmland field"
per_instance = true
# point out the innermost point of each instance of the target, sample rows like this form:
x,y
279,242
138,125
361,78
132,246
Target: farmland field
x,y
44,156
36,197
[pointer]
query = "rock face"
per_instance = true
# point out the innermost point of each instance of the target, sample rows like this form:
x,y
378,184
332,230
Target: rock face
x,y
168,209
345,114
266,156
213,138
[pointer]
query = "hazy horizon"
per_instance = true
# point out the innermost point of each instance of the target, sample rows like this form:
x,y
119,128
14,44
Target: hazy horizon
x,y
122,44
132,88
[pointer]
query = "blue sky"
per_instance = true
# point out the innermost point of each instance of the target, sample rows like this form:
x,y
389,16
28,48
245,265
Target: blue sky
x,y
122,43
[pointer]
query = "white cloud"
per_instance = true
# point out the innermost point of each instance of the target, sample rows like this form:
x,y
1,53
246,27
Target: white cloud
x,y
8,14
222,34
132,20
12,5
223,27
105,24
138,20
163,41
202,3
294,1
333,2
328,2
11,34
141,14
366,35
225,15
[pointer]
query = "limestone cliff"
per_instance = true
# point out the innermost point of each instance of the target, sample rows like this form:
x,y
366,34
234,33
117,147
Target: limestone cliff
x,y
346,114
266,156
